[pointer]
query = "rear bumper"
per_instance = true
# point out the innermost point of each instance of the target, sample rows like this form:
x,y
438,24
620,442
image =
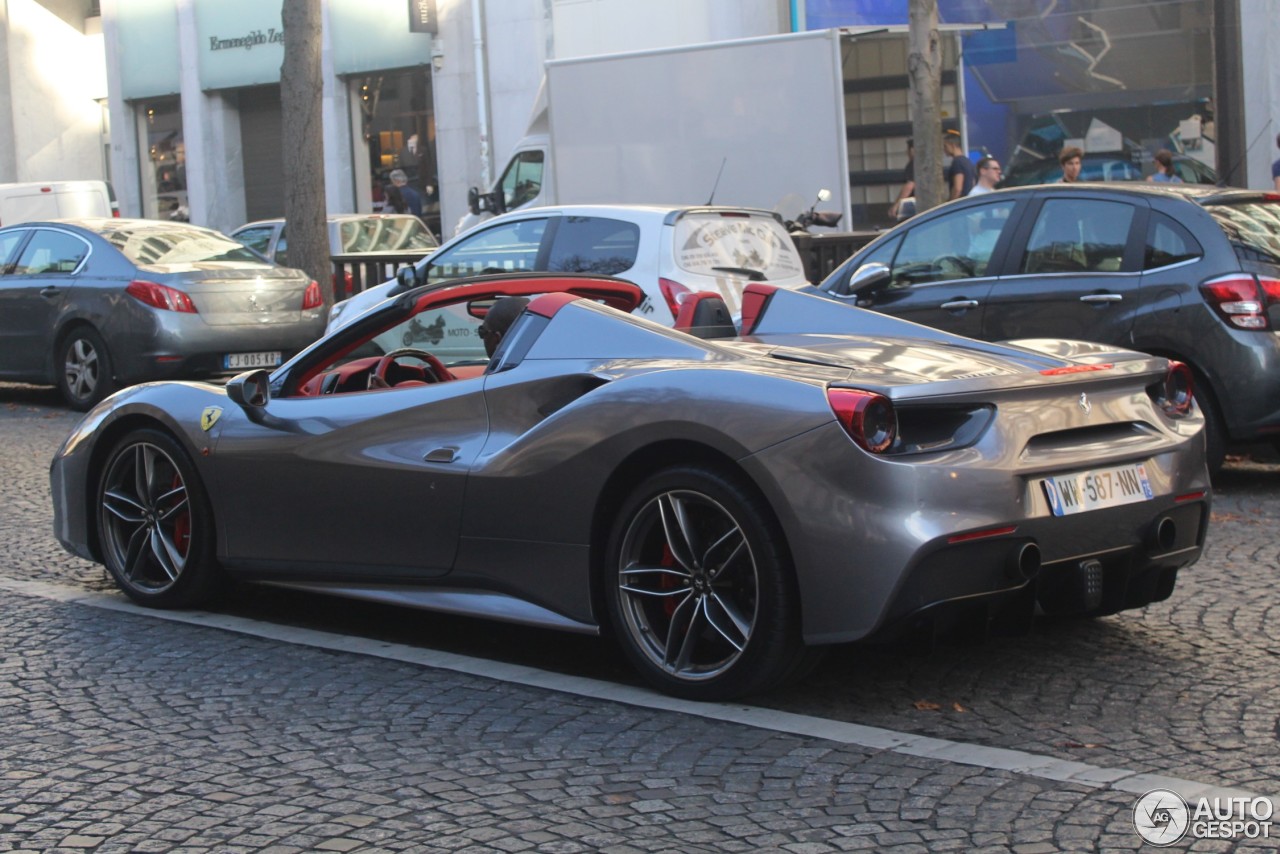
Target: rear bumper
x,y
877,544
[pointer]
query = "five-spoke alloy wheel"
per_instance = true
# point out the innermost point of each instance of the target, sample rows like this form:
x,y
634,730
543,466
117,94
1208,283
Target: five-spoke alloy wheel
x,y
155,526
699,593
84,373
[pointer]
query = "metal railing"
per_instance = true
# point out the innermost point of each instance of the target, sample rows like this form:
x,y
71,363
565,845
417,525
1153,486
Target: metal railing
x,y
822,253
355,273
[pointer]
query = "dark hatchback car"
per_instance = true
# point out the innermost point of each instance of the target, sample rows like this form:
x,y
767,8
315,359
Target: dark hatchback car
x,y
1187,272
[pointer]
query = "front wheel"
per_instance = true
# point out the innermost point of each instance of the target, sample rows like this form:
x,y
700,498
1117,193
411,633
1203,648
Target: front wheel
x,y
699,587
155,525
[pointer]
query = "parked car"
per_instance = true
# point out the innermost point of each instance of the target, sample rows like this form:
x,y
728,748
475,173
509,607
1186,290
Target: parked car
x,y
667,251
1103,167
1183,271
349,234
724,505
94,304
43,200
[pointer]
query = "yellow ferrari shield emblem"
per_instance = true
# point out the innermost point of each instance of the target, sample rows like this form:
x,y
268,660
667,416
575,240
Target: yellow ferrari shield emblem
x,y
210,417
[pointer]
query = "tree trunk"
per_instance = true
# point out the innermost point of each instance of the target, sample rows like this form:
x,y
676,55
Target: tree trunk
x,y
924,66
301,91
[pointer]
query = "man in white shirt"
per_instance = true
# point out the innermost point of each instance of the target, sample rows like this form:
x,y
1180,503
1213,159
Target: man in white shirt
x,y
989,174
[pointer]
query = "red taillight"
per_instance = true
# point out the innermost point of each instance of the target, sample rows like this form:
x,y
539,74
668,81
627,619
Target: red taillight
x,y
347,283
674,293
1241,299
1179,390
312,298
867,417
160,296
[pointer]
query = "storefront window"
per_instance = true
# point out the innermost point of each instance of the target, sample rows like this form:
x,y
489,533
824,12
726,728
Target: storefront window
x,y
398,113
164,166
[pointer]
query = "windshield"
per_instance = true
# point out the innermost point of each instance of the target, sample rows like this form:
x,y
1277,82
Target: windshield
x,y
1253,229
711,243
385,234
166,244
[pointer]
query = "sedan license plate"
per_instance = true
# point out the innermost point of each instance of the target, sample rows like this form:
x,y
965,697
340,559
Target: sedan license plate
x,y
1097,488
240,361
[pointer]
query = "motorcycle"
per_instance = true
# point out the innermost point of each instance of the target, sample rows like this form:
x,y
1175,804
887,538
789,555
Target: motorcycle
x,y
801,223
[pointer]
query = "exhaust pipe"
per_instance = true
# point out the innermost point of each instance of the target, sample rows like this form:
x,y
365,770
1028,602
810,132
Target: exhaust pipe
x,y
1024,563
1164,533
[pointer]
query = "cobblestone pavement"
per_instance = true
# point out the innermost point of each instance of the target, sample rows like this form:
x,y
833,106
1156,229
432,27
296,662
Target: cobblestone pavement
x,y
120,732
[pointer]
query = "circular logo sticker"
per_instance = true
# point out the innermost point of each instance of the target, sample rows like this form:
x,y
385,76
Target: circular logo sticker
x,y
1161,817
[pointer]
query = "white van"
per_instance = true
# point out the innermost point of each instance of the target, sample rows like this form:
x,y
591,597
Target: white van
x,y
55,200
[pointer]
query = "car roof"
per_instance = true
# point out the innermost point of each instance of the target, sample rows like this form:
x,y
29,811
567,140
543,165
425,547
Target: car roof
x,y
1203,194
98,225
634,211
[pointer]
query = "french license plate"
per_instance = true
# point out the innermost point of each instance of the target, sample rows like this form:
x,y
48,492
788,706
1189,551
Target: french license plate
x,y
234,361
1097,488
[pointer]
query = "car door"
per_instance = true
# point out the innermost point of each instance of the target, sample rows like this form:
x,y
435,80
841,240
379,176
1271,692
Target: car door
x,y
943,268
1075,273
358,483
514,246
32,291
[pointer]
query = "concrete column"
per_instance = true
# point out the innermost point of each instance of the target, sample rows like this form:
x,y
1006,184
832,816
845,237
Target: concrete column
x,y
125,155
340,183
211,135
8,133
1259,31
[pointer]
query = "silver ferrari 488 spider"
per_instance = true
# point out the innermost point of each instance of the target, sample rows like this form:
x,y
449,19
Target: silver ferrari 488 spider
x,y
725,497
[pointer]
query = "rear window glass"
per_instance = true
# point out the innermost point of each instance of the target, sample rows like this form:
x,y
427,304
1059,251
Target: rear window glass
x,y
591,244
1253,229
162,244
384,234
704,242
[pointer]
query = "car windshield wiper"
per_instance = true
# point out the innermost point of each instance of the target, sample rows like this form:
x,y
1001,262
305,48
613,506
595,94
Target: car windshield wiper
x,y
753,275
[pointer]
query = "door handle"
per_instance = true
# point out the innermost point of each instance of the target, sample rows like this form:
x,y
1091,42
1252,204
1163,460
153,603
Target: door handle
x,y
958,304
50,291
441,455
1101,298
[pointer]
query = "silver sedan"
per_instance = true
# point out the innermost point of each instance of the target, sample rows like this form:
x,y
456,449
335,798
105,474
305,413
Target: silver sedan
x,y
95,304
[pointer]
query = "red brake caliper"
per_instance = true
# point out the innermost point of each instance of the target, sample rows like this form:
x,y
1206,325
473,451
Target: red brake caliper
x,y
181,524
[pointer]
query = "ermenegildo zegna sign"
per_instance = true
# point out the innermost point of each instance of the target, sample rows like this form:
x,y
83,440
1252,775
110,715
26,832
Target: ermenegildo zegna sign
x,y
422,17
248,41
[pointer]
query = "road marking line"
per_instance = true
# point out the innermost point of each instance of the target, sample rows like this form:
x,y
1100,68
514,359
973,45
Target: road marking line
x,y
875,738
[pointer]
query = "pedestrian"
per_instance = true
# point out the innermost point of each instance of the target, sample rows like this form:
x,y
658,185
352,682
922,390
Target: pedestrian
x,y
960,173
1164,173
1069,158
412,201
989,174
905,205
1275,168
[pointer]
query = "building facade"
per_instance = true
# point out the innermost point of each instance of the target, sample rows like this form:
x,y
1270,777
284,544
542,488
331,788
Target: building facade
x,y
177,101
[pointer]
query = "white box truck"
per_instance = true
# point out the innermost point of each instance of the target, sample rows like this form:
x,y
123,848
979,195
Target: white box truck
x,y
54,200
758,122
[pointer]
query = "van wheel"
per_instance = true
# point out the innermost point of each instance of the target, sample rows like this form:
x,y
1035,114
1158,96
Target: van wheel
x,y
84,368
699,587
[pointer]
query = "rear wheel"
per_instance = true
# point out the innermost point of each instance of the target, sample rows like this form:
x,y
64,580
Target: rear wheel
x,y
699,588
84,368
1215,432
155,525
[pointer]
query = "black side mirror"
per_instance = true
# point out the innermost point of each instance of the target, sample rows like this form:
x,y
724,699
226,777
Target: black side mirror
x,y
473,201
250,390
407,278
